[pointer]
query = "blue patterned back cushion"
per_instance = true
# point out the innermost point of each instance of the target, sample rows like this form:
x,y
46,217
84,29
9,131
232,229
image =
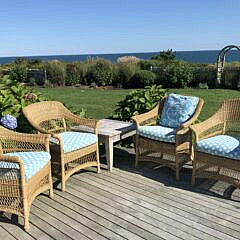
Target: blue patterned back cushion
x,y
177,110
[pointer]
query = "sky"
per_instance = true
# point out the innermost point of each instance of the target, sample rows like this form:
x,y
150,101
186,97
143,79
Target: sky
x,y
53,27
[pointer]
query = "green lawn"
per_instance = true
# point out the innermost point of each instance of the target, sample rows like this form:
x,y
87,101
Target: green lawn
x,y
97,103
101,103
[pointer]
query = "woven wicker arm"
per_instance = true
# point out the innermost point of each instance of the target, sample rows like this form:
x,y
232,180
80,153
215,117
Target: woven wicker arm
x,y
74,120
210,127
13,141
149,117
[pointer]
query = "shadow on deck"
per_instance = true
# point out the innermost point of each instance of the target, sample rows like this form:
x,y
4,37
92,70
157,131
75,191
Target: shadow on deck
x,y
144,203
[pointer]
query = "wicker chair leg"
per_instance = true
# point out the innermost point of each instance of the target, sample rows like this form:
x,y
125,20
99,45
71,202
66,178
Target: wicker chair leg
x,y
136,151
136,160
98,161
177,174
193,174
50,185
63,185
26,214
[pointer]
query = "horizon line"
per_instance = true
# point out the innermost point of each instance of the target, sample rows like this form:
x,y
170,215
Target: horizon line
x,y
106,53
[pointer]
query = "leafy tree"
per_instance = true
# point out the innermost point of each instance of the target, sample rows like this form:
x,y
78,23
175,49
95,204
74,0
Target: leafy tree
x,y
166,56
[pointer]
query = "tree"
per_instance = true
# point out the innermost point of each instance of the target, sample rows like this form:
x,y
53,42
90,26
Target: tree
x,y
166,56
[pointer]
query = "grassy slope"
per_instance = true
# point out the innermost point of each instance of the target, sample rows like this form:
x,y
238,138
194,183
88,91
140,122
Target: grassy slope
x,y
101,103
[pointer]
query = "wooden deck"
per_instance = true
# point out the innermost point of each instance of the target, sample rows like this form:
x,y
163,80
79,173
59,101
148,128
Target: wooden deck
x,y
146,203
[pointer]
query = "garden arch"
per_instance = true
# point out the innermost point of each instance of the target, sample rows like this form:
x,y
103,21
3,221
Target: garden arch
x,y
221,61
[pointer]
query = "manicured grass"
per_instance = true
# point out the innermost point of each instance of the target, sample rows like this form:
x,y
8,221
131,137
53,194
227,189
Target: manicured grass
x,y
101,103
97,103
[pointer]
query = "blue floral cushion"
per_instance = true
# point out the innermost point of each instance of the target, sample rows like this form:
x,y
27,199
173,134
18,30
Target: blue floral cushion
x,y
221,145
33,162
75,140
158,133
178,109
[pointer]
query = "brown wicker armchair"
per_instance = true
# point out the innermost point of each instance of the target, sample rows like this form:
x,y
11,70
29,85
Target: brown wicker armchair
x,y
172,154
52,117
25,171
217,145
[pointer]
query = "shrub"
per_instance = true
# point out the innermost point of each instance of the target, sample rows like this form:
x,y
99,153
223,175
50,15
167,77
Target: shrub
x,y
175,75
56,73
13,97
127,59
125,71
19,70
72,73
83,69
139,101
142,79
205,75
100,72
150,64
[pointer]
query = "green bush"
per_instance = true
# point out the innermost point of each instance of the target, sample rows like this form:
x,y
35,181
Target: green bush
x,y
13,97
72,73
100,72
142,79
125,71
177,74
149,64
205,75
19,70
139,101
56,73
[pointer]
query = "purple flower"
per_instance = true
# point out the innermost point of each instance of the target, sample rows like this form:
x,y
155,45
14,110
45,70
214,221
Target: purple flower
x,y
8,121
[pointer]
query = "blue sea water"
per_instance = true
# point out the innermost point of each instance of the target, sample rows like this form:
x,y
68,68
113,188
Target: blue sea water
x,y
209,56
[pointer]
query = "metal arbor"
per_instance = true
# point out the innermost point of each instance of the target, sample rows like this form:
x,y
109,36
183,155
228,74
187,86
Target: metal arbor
x,y
221,61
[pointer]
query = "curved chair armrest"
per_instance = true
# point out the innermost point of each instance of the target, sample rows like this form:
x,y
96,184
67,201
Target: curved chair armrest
x,y
36,141
210,127
85,122
138,119
12,160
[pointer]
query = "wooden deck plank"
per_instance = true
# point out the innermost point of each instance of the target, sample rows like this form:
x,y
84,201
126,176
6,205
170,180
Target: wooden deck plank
x,y
145,203
196,192
221,222
152,204
123,215
48,224
92,229
122,226
189,203
144,215
15,227
5,235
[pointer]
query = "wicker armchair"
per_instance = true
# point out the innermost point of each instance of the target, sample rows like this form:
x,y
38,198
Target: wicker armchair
x,y
70,151
217,145
25,171
174,153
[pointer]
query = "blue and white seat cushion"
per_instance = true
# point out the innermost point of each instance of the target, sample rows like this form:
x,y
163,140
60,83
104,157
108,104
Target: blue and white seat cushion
x,y
177,110
33,162
159,133
75,140
221,145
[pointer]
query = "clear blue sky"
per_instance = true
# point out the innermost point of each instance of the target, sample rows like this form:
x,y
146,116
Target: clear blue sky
x,y
47,27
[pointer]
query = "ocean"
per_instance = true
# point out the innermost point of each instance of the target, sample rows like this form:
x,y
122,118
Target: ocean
x,y
209,56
